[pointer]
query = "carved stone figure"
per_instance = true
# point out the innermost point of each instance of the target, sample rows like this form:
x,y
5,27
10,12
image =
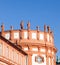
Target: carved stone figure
x,y
11,27
48,28
28,25
22,25
38,28
2,27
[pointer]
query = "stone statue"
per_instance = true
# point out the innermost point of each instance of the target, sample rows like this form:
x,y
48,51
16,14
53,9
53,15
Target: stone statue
x,y
11,27
38,28
2,27
28,25
22,25
48,28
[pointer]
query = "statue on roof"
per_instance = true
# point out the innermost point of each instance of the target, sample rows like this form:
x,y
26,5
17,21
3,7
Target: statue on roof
x,y
22,25
44,28
2,27
28,25
11,27
48,28
37,28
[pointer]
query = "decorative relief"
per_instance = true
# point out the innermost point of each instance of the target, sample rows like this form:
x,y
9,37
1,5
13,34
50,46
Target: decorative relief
x,y
39,59
16,35
41,36
33,35
7,36
25,35
35,60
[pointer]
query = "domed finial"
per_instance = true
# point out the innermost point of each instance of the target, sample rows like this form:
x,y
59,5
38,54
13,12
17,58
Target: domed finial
x,y
28,25
22,25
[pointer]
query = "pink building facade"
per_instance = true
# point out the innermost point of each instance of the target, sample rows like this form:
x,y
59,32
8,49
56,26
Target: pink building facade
x,y
27,47
10,54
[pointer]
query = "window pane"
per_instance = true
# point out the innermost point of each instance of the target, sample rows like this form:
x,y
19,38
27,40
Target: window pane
x,y
0,49
7,36
7,51
16,35
33,35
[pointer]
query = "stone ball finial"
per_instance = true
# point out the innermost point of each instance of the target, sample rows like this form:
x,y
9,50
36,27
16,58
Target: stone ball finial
x,y
22,25
28,25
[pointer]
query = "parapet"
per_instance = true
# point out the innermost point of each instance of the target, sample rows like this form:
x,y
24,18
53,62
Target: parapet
x,y
29,36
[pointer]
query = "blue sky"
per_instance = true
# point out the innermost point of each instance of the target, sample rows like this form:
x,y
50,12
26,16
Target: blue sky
x,y
38,12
